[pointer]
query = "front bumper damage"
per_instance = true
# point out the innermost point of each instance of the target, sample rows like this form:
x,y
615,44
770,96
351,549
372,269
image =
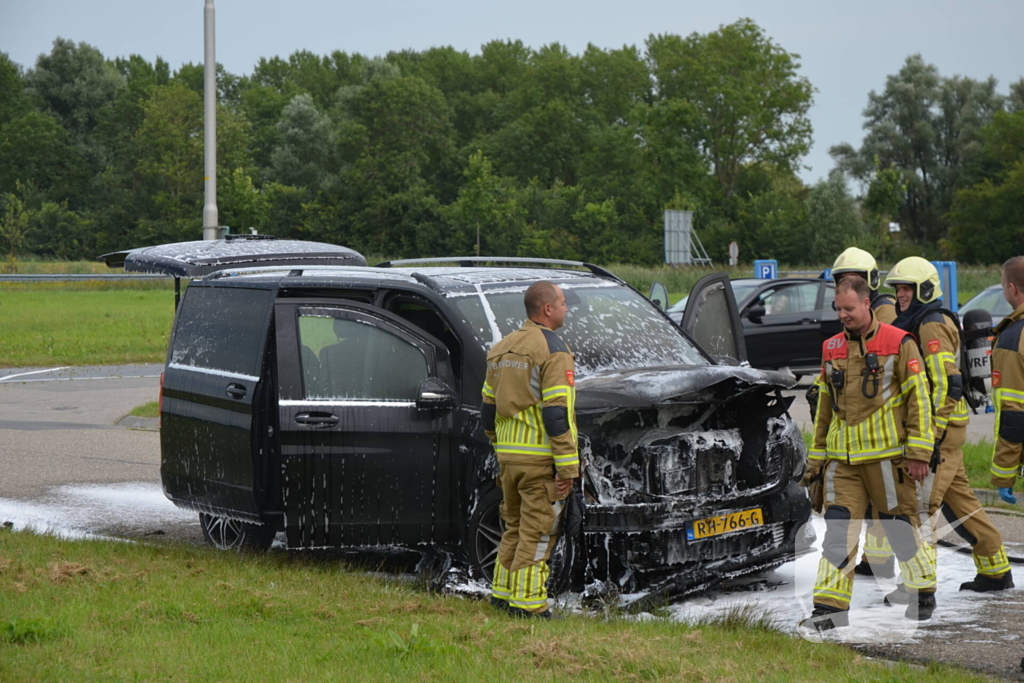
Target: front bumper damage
x,y
645,547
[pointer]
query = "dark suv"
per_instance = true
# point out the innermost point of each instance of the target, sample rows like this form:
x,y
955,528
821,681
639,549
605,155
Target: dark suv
x,y
341,406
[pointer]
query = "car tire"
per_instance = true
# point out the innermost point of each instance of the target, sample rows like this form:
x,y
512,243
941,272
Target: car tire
x,y
484,533
230,534
485,529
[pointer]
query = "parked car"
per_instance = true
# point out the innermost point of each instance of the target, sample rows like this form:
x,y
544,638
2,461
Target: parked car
x,y
784,321
340,405
990,299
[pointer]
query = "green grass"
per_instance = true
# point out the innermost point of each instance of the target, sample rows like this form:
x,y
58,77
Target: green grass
x,y
34,267
45,326
977,461
151,409
105,611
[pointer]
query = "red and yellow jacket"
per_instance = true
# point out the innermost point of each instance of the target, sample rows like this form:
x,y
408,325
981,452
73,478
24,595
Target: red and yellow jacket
x,y
869,416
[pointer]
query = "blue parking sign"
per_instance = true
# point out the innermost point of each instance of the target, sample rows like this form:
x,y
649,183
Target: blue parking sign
x,y
766,269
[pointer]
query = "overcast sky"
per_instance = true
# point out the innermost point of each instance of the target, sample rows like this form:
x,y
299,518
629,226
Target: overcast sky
x,y
844,52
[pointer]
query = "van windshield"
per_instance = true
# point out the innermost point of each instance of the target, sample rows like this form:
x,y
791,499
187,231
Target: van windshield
x,y
608,327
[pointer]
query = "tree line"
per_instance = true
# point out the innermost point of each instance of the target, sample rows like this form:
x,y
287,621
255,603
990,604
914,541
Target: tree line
x,y
512,151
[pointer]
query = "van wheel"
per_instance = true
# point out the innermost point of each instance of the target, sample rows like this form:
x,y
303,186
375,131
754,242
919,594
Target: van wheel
x,y
485,529
230,534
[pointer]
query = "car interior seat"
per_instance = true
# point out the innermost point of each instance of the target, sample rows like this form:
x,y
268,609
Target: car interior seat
x,y
345,364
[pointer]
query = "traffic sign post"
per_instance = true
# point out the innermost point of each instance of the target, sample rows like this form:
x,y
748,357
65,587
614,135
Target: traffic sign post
x,y
766,269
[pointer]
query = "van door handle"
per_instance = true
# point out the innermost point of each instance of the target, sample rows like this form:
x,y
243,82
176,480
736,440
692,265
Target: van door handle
x,y
808,321
317,419
235,390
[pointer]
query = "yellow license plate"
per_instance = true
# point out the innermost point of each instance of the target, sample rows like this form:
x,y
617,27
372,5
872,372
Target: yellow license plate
x,y
724,524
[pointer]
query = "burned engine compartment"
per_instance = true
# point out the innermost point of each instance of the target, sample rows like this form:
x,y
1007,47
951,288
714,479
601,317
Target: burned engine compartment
x,y
659,463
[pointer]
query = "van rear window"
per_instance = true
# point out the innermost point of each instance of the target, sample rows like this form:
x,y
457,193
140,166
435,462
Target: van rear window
x,y
222,328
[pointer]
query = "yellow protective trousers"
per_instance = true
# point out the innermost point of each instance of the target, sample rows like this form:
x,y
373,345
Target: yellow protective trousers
x,y
949,485
876,546
532,513
849,489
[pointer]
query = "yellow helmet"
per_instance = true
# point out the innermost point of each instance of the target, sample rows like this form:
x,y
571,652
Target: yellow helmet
x,y
855,260
918,272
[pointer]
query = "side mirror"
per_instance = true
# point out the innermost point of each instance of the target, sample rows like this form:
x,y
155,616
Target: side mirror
x,y
659,295
755,313
435,394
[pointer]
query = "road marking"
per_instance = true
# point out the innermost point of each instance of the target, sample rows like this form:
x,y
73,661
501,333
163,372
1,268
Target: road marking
x,y
71,379
34,372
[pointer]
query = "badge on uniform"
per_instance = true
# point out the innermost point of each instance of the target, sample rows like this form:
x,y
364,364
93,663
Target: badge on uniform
x,y
914,365
570,377
997,378
933,346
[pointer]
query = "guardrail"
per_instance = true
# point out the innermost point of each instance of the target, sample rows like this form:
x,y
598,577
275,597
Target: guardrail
x,y
74,277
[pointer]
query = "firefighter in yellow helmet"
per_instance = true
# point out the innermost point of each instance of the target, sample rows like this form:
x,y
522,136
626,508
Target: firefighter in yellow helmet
x,y
860,262
528,413
946,487
873,420
878,557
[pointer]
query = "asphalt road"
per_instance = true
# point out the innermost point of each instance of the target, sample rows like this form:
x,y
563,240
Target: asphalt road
x,y
58,427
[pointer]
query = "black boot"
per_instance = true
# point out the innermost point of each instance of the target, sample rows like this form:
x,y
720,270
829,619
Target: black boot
x,y
520,613
922,608
885,569
900,596
825,618
499,604
984,584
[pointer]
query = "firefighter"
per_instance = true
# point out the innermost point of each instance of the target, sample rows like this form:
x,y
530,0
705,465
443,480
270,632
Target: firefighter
x,y
878,559
528,414
1008,384
873,437
946,486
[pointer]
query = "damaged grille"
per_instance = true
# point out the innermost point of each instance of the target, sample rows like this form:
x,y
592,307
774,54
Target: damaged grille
x,y
706,451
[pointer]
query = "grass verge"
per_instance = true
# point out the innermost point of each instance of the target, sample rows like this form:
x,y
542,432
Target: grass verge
x,y
151,409
104,611
44,326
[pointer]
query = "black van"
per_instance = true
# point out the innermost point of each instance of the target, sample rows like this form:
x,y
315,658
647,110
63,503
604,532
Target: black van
x,y
340,405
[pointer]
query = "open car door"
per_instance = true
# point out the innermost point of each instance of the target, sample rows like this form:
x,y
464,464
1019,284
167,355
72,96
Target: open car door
x,y
712,319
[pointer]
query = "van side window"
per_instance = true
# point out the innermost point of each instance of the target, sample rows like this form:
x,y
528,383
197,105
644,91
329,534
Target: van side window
x,y
221,328
345,359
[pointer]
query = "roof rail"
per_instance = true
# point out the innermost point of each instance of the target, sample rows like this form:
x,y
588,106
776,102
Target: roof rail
x,y
470,261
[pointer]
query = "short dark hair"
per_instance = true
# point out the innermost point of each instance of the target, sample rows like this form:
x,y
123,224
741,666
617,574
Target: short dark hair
x,y
1013,271
856,284
539,293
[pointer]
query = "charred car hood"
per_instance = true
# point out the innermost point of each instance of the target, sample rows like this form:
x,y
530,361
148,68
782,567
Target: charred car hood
x,y
690,384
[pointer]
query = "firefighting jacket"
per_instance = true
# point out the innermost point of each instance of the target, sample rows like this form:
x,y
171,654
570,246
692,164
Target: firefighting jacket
x,y
529,398
939,341
884,307
1008,391
938,338
867,415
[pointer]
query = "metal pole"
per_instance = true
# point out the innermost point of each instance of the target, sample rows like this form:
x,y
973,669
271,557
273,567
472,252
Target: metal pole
x,y
210,218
